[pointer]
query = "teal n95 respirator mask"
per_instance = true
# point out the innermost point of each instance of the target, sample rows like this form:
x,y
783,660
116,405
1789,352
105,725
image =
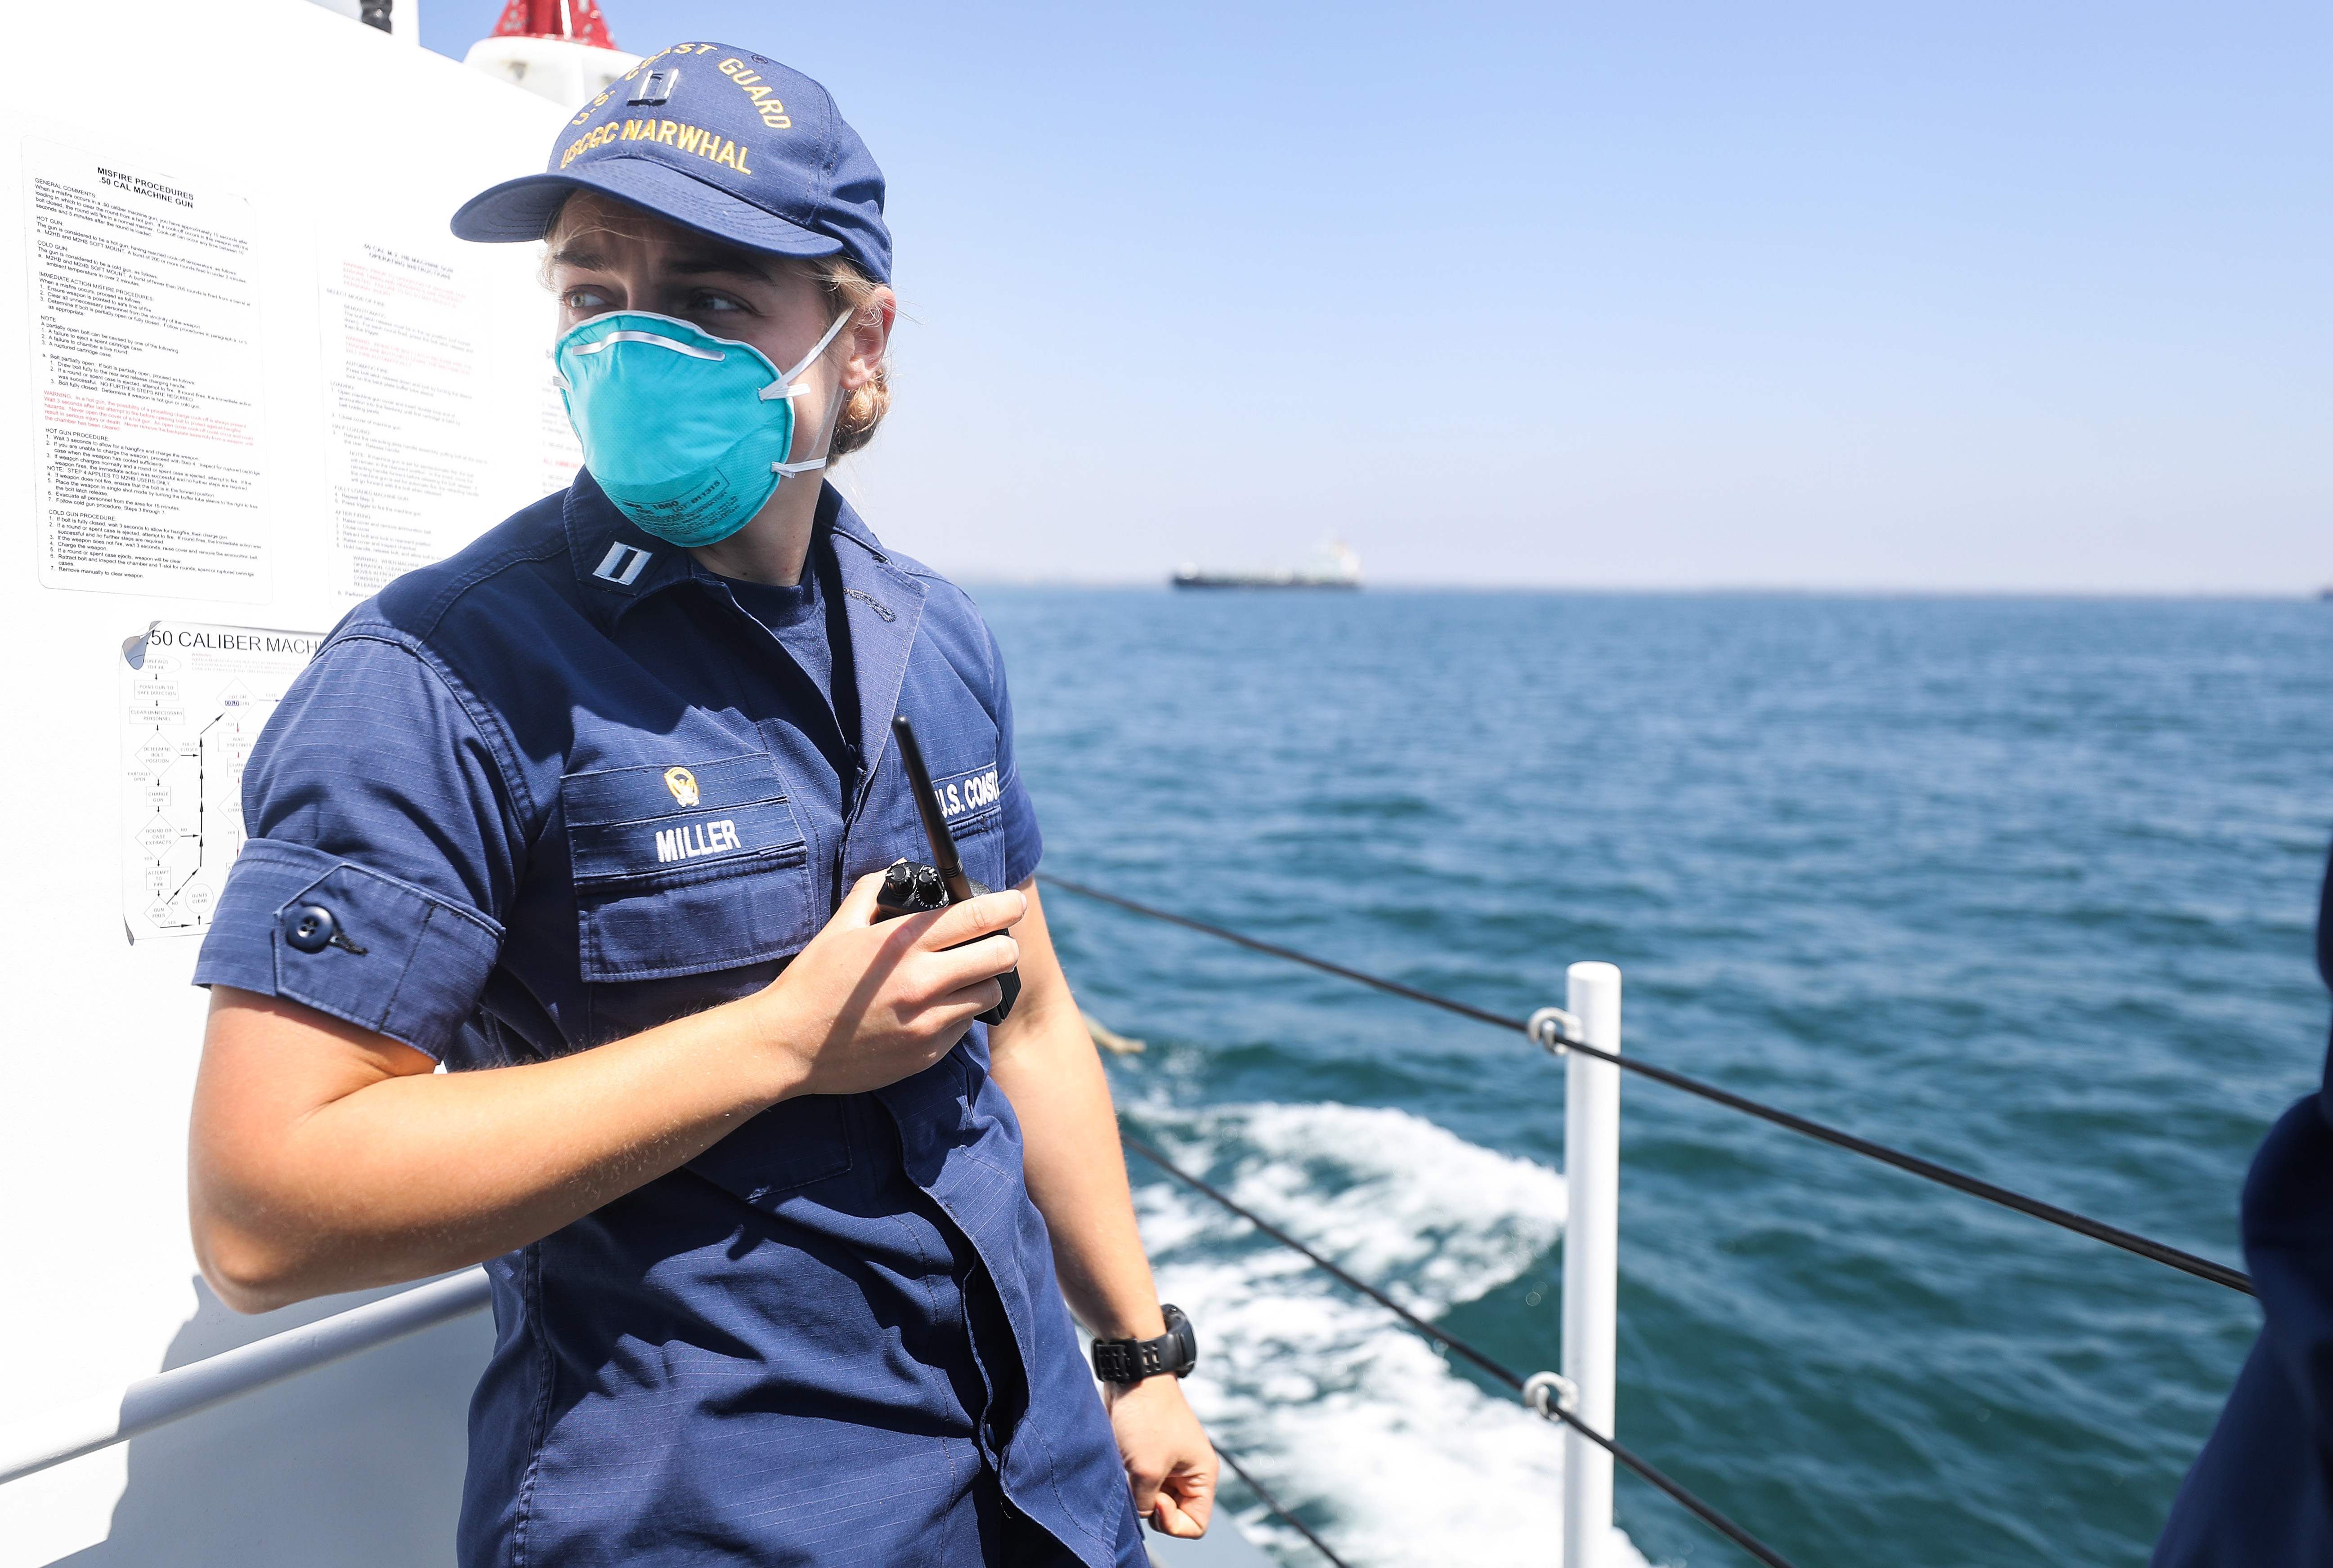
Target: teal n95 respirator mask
x,y
688,433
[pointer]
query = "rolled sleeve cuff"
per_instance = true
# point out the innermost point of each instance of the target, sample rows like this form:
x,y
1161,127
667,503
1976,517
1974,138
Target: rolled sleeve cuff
x,y
403,962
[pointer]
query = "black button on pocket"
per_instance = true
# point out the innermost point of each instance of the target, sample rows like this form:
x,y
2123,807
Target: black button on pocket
x,y
310,927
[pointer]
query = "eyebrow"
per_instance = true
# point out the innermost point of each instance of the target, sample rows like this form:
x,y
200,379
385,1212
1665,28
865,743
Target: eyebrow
x,y
576,255
708,263
722,263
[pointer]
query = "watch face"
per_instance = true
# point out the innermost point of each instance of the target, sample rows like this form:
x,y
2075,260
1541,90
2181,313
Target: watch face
x,y
1184,1352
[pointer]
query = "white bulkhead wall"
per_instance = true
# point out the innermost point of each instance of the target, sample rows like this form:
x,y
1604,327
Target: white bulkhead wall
x,y
404,17
289,406
559,69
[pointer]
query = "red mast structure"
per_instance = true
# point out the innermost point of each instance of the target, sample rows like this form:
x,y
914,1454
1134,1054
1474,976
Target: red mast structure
x,y
576,20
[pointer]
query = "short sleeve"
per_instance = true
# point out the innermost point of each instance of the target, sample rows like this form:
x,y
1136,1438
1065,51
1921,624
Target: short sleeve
x,y
383,850
1024,846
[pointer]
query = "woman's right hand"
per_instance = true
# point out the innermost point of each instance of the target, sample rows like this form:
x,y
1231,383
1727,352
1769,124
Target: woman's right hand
x,y
868,1003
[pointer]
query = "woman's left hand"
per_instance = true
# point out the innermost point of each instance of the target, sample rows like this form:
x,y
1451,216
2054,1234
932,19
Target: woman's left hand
x,y
1169,1463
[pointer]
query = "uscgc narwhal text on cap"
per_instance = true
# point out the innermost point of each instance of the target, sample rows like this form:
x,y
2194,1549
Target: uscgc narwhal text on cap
x,y
719,139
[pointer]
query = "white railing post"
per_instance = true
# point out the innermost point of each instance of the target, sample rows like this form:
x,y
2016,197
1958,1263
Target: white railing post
x,y
1591,1258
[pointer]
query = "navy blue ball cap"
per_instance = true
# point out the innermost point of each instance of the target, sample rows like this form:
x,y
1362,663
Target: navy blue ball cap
x,y
717,139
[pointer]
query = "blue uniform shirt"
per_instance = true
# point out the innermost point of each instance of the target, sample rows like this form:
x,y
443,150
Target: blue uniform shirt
x,y
558,790
806,619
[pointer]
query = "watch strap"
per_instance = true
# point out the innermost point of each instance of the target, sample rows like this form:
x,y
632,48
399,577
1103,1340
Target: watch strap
x,y
1131,1361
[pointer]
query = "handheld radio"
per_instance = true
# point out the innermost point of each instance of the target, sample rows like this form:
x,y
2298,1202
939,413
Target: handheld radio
x,y
909,888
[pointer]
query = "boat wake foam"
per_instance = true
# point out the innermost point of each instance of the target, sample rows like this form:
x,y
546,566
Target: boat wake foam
x,y
1395,1459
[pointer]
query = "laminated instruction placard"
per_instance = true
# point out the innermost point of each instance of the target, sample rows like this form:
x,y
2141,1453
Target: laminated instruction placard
x,y
146,380
431,434
193,698
408,442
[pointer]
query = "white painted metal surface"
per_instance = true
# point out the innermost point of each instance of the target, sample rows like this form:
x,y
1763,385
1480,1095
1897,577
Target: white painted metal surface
x,y
29,1446
560,70
327,137
1591,1250
404,17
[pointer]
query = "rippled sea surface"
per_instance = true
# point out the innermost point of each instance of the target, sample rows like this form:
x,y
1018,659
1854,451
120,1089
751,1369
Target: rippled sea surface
x,y
2025,887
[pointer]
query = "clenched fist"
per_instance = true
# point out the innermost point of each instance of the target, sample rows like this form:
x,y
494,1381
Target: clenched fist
x,y
867,1003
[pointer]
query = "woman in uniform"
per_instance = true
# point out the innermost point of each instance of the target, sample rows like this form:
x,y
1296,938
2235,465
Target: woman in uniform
x,y
591,818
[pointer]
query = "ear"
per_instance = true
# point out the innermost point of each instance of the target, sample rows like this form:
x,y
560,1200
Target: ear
x,y
867,338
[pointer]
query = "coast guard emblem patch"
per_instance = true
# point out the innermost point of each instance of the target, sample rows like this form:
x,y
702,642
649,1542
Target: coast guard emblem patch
x,y
683,785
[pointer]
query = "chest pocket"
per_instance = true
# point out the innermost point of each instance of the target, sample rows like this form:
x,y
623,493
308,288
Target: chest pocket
x,y
791,1146
684,870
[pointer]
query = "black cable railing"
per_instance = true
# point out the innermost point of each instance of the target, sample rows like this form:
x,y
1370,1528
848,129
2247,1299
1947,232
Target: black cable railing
x,y
1496,1370
1902,1159
1273,1505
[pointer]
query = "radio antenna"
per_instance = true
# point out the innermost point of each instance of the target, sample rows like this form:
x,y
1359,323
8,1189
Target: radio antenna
x,y
944,859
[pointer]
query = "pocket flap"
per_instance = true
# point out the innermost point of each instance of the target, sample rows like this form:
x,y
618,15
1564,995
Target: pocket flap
x,y
634,821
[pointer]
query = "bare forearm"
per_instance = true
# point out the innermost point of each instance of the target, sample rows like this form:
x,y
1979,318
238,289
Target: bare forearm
x,y
1077,1177
409,1175
1045,1062
324,1156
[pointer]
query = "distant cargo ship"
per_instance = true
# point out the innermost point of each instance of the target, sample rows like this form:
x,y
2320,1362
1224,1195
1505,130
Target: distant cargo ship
x,y
1334,567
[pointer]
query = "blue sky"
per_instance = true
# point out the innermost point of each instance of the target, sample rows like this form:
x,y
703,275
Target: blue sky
x,y
1985,297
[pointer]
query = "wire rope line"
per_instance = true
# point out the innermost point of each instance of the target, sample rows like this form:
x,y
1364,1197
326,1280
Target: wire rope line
x,y
1498,1370
1272,1505
1902,1159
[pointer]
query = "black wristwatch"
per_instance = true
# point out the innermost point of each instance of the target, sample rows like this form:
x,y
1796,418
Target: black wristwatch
x,y
1129,1361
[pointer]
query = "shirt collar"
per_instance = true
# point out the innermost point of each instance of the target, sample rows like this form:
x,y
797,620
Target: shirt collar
x,y
884,604
617,564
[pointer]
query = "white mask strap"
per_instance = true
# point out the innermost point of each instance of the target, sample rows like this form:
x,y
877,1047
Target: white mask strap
x,y
786,388
783,386
820,347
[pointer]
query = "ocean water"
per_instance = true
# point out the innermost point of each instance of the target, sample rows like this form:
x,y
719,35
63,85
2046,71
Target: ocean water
x,y
2023,885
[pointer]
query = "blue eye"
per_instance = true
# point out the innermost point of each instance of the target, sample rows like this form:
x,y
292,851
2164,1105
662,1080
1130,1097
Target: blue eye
x,y
588,300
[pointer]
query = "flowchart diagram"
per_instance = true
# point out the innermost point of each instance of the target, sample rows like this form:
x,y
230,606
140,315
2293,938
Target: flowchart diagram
x,y
193,699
